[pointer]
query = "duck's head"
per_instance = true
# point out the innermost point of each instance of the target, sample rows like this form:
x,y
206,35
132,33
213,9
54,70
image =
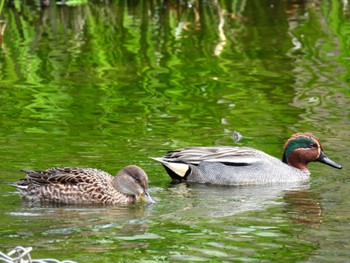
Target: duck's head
x,y
302,148
132,180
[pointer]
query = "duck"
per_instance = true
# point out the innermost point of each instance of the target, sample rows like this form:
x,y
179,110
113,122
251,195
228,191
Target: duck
x,y
230,165
85,186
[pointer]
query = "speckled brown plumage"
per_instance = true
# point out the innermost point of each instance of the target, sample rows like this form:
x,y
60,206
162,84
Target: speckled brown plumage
x,y
85,186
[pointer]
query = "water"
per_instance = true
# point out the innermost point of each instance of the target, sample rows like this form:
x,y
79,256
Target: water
x,y
107,84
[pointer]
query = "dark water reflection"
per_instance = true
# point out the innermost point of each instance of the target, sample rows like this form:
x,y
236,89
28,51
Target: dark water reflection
x,y
304,207
106,84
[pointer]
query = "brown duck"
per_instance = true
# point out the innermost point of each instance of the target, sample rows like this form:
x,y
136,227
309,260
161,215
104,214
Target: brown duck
x,y
85,186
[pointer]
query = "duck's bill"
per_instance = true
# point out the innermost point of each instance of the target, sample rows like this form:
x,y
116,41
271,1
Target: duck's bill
x,y
146,197
324,159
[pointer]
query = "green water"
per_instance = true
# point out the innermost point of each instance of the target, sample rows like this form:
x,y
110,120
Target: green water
x,y
106,84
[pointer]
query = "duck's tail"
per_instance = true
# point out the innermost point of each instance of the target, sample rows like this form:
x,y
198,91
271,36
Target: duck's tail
x,y
177,171
27,171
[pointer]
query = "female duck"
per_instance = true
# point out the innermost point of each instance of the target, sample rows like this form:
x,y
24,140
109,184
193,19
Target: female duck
x,y
243,165
85,186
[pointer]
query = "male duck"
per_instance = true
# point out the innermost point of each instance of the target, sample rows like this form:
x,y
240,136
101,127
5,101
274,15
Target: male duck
x,y
243,165
85,186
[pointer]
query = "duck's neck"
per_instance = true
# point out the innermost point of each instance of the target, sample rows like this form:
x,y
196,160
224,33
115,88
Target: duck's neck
x,y
295,159
120,183
117,184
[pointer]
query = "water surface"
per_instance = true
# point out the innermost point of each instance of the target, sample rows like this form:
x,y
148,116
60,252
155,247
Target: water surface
x,y
107,84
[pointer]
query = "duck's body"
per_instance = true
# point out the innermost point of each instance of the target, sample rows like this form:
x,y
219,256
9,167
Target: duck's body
x,y
243,165
85,186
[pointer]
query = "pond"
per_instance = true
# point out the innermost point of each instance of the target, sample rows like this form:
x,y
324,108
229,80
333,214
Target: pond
x,y
105,84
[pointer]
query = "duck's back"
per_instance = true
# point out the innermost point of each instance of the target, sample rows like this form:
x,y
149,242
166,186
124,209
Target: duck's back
x,y
71,186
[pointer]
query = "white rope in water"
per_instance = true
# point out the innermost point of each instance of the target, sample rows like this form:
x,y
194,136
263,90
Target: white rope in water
x,y
21,255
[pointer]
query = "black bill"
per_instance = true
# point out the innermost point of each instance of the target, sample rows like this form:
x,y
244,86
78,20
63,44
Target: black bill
x,y
324,159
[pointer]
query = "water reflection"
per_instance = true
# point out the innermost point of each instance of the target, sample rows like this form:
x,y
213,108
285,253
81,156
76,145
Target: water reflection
x,y
86,212
61,217
304,207
184,204
196,200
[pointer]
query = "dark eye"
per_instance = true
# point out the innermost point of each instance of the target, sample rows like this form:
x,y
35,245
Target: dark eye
x,y
313,145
